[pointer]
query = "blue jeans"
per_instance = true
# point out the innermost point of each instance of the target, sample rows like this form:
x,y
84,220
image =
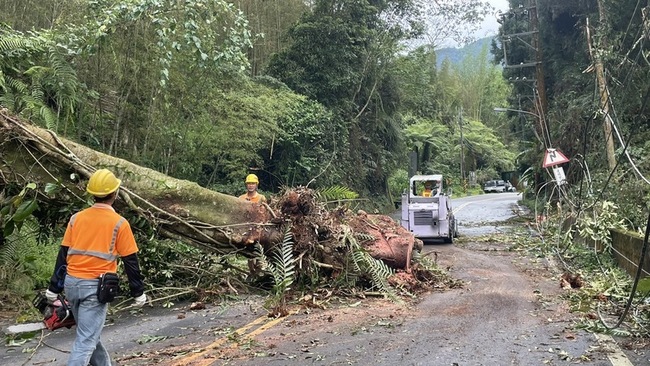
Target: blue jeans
x,y
90,316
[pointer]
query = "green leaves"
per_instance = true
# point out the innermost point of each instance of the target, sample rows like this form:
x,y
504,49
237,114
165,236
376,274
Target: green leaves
x,y
52,189
340,56
35,80
16,209
282,265
336,193
597,224
184,29
643,287
24,210
151,339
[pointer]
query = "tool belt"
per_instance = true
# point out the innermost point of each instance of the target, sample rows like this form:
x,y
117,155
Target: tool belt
x,y
108,287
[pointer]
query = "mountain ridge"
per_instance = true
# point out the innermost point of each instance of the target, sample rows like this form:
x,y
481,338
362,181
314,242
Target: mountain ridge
x,y
457,55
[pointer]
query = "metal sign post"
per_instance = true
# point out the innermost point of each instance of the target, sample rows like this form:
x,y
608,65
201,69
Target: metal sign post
x,y
560,178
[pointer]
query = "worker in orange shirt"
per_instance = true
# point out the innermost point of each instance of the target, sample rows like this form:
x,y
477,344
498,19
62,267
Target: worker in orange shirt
x,y
93,240
431,189
252,182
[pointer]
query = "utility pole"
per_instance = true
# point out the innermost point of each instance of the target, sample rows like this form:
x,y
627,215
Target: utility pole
x,y
536,60
540,101
462,150
539,69
604,93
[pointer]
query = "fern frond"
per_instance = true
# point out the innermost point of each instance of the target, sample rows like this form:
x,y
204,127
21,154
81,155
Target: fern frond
x,y
620,332
336,193
12,270
17,85
8,100
364,237
16,43
258,250
380,273
48,89
9,250
283,264
424,260
259,257
364,263
49,117
36,71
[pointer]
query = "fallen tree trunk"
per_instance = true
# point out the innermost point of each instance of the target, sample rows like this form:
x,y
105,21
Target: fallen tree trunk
x,y
184,210
177,208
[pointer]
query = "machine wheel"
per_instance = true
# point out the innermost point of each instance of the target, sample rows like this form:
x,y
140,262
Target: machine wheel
x,y
455,228
453,231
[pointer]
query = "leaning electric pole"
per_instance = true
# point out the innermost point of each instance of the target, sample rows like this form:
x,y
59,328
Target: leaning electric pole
x,y
531,40
539,68
602,88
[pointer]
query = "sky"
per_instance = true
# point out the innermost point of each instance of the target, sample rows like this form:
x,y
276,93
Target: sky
x,y
490,27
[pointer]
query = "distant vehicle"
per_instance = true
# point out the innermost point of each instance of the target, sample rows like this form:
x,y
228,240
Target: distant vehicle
x,y
428,213
497,186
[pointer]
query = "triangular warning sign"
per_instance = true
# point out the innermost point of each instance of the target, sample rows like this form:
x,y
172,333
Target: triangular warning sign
x,y
553,157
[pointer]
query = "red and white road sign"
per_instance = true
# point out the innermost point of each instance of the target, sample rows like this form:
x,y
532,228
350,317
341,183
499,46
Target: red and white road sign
x,y
553,157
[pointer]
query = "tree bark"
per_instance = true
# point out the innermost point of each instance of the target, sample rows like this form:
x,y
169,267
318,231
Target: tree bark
x,y
177,208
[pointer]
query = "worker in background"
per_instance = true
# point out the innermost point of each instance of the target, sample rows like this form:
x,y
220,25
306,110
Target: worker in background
x,y
252,182
430,189
93,240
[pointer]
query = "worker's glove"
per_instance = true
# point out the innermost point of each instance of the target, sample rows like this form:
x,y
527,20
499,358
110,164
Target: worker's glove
x,y
51,296
140,300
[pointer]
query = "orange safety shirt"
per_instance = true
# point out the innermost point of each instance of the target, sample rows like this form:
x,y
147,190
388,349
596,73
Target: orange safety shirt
x,y
257,198
95,237
426,193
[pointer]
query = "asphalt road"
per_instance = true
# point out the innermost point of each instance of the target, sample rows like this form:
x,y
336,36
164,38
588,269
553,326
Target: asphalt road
x,y
485,214
508,312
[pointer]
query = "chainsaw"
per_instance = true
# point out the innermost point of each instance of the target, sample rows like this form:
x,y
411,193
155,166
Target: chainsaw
x,y
55,315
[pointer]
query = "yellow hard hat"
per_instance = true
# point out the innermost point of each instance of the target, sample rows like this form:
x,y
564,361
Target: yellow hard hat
x,y
102,183
252,178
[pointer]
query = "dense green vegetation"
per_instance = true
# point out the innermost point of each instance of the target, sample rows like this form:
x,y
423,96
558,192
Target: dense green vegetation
x,y
574,117
327,93
209,90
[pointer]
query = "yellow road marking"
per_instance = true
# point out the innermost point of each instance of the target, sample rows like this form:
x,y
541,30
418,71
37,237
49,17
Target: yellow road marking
x,y
217,343
266,326
220,341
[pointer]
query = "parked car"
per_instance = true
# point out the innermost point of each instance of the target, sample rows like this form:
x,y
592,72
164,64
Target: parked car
x,y
497,186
